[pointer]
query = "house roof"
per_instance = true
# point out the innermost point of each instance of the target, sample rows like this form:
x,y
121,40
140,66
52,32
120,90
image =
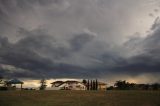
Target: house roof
x,y
57,82
14,81
71,81
64,82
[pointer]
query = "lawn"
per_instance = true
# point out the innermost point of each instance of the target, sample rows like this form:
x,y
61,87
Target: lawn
x,y
79,98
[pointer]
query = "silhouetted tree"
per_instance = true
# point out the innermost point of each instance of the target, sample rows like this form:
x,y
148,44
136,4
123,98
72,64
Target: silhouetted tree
x,y
132,86
146,87
43,84
91,84
155,86
1,78
110,88
96,84
84,82
123,85
88,85
2,81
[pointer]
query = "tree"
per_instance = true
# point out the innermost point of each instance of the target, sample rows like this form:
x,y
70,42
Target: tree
x,y
91,84
43,84
96,84
155,86
132,86
1,78
2,81
146,87
84,82
122,85
110,88
88,88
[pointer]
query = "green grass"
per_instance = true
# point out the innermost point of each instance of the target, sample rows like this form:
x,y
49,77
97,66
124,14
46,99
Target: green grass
x,y
80,98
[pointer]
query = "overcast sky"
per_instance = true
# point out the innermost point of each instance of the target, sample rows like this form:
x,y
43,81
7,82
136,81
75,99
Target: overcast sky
x,y
105,39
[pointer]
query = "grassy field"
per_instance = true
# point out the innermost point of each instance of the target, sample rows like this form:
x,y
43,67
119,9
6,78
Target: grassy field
x,y
80,98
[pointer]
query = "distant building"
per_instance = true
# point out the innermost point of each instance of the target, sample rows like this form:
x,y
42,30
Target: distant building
x,y
11,85
14,82
67,85
2,83
102,86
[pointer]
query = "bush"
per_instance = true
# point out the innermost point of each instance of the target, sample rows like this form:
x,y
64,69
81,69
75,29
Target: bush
x,y
3,88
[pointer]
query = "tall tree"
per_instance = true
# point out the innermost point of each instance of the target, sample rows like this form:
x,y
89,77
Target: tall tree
x,y
88,85
43,84
84,82
96,84
91,84
1,78
155,86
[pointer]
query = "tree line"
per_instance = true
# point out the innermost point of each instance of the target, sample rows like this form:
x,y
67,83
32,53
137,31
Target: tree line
x,y
91,84
124,85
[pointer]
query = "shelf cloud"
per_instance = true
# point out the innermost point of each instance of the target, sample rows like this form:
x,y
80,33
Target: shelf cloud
x,y
79,38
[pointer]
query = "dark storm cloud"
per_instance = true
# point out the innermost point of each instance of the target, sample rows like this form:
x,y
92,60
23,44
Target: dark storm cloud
x,y
39,41
75,38
28,53
149,60
156,23
80,40
138,65
22,57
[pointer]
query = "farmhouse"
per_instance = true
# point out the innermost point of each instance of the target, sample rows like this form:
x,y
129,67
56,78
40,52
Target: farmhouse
x,y
67,85
56,83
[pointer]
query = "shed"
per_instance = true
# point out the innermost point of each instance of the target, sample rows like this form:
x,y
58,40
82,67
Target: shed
x,y
15,81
